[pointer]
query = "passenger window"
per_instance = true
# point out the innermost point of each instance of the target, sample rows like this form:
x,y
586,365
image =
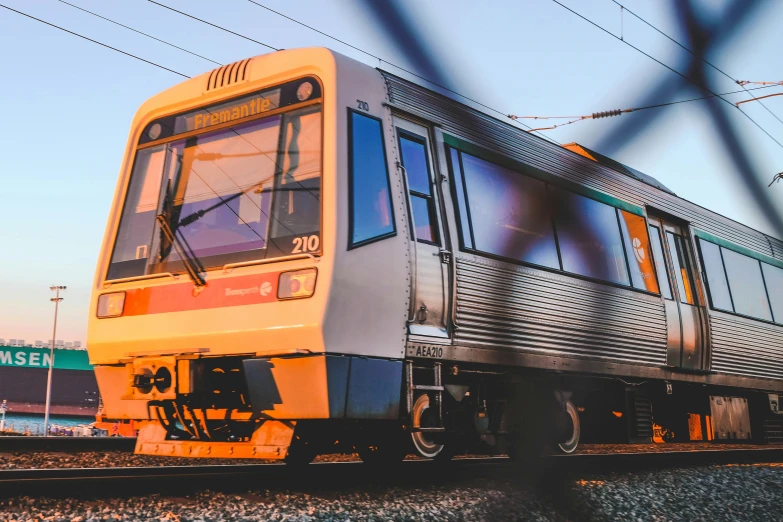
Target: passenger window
x,y
589,238
660,262
413,154
509,213
773,276
717,286
681,267
370,216
459,190
637,249
746,284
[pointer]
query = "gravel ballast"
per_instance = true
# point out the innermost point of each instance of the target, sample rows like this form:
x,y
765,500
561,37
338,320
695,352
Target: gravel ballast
x,y
712,493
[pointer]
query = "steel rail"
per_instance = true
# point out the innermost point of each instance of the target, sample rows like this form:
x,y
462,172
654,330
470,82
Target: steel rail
x,y
66,444
124,481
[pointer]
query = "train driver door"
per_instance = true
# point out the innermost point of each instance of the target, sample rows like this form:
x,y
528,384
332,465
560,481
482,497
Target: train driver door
x,y
674,264
427,315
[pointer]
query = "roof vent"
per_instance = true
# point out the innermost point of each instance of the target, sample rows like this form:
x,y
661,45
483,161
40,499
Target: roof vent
x,y
227,75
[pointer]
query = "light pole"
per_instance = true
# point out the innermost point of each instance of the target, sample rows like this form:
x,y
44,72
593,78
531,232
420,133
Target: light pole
x,y
56,300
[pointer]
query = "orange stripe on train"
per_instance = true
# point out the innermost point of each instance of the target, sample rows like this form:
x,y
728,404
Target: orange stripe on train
x,y
234,291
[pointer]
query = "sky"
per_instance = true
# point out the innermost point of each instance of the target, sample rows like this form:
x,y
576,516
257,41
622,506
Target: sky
x,y
67,105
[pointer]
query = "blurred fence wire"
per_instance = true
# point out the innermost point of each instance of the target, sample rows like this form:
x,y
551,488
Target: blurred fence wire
x,y
703,35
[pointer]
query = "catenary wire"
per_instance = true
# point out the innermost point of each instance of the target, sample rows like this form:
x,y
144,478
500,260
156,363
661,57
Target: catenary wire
x,y
724,73
675,71
213,25
94,41
408,71
102,44
618,112
139,32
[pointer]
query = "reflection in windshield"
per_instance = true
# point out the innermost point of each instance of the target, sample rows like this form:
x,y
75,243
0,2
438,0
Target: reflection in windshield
x,y
230,195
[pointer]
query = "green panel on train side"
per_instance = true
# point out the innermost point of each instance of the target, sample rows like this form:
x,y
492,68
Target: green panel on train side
x,y
518,166
736,248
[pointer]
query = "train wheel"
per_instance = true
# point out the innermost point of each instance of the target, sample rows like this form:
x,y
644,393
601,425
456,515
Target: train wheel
x,y
570,444
301,451
384,454
381,445
425,417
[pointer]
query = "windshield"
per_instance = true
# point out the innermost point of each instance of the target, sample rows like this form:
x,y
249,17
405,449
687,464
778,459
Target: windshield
x,y
240,193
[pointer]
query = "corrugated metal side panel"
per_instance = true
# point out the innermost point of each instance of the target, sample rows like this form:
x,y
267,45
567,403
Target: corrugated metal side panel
x,y
513,142
746,347
777,247
502,306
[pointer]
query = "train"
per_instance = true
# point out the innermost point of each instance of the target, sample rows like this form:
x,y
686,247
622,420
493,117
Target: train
x,y
306,254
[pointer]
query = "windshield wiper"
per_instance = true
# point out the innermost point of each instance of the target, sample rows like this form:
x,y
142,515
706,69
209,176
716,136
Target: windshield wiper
x,y
192,264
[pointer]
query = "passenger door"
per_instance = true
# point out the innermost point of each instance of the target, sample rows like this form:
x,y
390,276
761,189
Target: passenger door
x,y
427,315
675,266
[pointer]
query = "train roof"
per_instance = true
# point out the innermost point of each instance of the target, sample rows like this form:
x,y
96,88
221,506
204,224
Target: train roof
x,y
616,165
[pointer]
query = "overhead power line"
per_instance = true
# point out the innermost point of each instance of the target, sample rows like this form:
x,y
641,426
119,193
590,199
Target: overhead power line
x,y
618,112
382,60
139,32
675,71
724,73
213,25
95,41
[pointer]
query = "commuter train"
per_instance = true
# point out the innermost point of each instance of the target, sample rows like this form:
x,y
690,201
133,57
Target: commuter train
x,y
306,254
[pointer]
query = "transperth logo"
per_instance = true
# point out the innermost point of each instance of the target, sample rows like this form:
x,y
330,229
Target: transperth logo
x,y
265,289
638,249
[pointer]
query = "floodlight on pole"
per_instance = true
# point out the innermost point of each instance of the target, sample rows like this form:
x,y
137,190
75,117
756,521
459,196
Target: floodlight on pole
x,y
56,300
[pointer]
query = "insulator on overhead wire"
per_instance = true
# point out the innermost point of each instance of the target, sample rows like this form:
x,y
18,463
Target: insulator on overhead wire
x,y
606,114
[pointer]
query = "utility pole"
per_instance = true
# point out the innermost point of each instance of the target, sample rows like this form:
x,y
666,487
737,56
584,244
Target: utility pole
x,y
56,300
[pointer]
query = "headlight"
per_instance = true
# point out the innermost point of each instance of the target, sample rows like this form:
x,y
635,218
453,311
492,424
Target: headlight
x,y
296,285
111,305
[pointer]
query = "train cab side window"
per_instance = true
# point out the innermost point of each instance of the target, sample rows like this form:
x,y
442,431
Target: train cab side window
x,y
773,277
413,155
589,238
458,183
660,262
681,266
717,284
509,213
371,216
637,249
747,285
131,249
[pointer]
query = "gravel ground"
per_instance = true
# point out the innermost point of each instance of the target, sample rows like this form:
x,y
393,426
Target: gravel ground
x,y
480,500
714,493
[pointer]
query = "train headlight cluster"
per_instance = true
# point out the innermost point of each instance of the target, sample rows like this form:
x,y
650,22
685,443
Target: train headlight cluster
x,y
296,285
111,305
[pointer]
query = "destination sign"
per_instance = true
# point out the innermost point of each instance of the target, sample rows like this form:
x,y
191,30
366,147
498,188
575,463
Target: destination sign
x,y
233,110
252,105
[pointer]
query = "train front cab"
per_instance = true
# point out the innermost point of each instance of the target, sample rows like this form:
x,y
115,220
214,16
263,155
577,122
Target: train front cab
x,y
236,294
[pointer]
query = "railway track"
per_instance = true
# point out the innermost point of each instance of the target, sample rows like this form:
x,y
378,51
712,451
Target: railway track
x,y
67,444
123,481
